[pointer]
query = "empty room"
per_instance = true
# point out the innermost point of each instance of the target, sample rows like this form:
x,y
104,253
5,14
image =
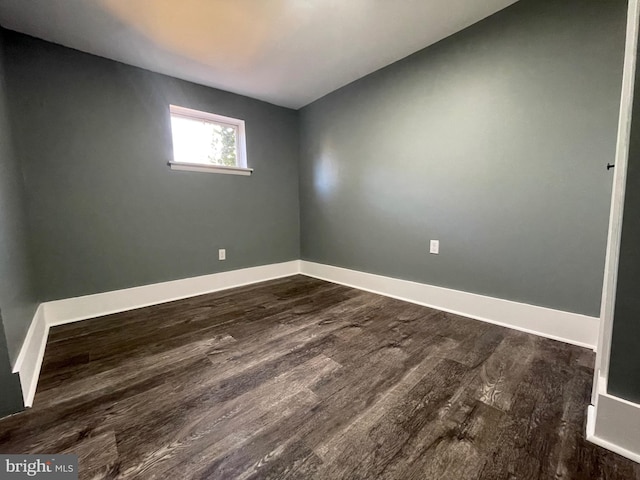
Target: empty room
x,y
296,239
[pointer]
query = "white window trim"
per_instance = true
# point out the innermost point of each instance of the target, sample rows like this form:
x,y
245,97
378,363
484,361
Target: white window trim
x,y
241,153
199,167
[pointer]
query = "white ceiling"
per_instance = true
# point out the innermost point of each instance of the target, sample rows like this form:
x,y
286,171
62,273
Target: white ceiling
x,y
287,52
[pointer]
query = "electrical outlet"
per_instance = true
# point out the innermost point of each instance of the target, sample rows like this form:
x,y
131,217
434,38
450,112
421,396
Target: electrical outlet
x,y
434,247
222,254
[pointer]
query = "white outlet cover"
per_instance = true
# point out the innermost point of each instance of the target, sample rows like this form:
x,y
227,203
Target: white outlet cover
x,y
222,254
434,247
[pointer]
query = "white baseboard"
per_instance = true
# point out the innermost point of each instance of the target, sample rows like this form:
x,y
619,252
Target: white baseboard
x,y
31,354
70,310
614,423
567,327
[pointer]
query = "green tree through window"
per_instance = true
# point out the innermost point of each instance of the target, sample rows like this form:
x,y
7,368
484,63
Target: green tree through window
x,y
223,146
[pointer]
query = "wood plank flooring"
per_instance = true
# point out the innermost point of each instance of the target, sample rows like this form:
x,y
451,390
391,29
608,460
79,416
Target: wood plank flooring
x,y
298,378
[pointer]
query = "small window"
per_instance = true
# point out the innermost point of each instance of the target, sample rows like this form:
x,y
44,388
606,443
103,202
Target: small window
x,y
206,142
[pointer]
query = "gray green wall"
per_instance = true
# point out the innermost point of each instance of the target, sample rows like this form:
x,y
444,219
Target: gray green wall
x,y
18,300
493,141
624,364
106,212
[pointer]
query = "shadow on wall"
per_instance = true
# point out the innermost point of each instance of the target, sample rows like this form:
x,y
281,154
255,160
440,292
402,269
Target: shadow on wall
x,y
11,397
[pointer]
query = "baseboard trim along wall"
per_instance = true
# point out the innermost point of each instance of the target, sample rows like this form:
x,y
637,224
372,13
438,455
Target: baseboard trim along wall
x,y
69,310
566,327
613,423
563,326
31,354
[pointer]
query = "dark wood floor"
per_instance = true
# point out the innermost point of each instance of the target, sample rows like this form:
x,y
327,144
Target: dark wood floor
x,y
299,378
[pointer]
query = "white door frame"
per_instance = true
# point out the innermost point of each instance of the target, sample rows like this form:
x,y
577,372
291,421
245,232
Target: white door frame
x,y
601,373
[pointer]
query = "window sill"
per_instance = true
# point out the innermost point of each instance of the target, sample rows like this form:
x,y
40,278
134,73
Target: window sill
x,y
196,167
